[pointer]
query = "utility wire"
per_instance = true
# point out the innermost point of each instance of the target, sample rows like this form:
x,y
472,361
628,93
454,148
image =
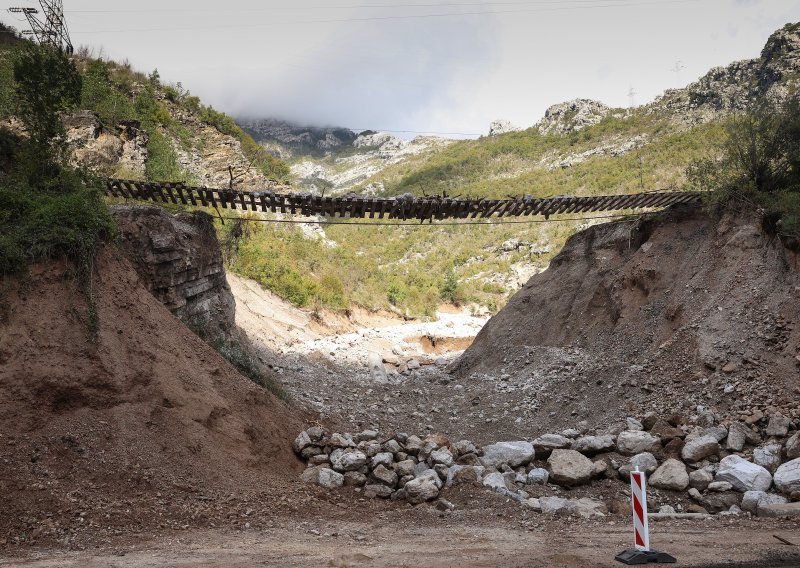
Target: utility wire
x,y
388,18
416,225
357,6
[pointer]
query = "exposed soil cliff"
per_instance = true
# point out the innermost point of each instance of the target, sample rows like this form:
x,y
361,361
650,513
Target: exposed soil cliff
x,y
671,311
137,424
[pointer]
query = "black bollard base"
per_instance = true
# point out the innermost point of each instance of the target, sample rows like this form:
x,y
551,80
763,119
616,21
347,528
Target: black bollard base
x,y
644,557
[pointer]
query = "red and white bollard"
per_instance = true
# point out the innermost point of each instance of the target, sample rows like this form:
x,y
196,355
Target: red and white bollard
x,y
641,531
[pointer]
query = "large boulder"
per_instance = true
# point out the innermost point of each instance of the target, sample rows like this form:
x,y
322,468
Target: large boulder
x,y
513,454
568,468
384,475
666,431
546,443
591,445
752,500
787,477
645,461
442,456
330,479
780,510
463,474
670,475
743,475
699,448
584,507
793,446
778,425
700,479
302,441
632,442
495,481
348,460
421,489
538,476
738,435
376,368
768,457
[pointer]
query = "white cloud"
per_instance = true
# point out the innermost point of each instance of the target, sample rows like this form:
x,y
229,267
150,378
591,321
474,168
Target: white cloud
x,y
455,74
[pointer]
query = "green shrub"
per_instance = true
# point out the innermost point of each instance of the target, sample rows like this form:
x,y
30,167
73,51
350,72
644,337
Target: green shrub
x,y
161,163
46,85
6,82
758,165
101,95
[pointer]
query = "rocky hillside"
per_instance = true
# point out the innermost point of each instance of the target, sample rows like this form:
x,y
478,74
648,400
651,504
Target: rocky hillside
x,y
132,125
581,147
336,160
288,139
179,259
675,310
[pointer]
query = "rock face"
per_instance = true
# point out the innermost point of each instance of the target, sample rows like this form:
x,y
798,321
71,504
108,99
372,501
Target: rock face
x,y
502,127
568,467
511,453
743,475
571,116
106,150
728,89
179,258
295,137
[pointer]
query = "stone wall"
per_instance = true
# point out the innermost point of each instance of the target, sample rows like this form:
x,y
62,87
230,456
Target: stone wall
x,y
180,261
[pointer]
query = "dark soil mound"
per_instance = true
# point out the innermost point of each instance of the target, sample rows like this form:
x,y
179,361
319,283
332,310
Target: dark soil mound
x,y
139,424
671,311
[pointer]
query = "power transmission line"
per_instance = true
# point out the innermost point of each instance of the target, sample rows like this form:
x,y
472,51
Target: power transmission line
x,y
416,225
677,70
273,9
53,30
388,18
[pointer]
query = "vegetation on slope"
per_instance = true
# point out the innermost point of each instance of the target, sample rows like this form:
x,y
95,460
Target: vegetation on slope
x,y
757,166
46,207
116,93
416,269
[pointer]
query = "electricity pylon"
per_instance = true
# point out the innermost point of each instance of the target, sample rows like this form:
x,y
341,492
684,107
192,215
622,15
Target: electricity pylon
x,y
52,30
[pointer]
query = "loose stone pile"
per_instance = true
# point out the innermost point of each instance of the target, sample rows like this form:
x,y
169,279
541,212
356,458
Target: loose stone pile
x,y
735,467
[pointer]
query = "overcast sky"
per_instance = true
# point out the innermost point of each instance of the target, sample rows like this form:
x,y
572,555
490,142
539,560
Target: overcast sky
x,y
422,65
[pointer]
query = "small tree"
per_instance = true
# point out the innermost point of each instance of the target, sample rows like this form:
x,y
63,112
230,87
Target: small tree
x,y
47,84
761,152
758,166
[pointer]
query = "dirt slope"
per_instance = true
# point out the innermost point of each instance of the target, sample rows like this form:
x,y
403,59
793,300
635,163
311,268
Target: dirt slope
x,y
671,311
124,427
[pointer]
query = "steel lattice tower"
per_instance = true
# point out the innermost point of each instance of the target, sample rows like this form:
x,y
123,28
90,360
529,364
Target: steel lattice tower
x,y
52,29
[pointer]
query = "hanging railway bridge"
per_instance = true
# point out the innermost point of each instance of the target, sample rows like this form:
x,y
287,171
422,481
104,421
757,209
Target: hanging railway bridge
x,y
405,207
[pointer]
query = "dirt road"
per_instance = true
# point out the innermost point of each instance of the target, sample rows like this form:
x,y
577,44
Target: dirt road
x,y
388,545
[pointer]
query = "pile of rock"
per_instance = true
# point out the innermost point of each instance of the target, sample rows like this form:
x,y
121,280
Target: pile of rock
x,y
718,467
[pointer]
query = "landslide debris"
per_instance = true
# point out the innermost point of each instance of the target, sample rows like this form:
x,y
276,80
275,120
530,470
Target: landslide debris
x,y
140,425
666,313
